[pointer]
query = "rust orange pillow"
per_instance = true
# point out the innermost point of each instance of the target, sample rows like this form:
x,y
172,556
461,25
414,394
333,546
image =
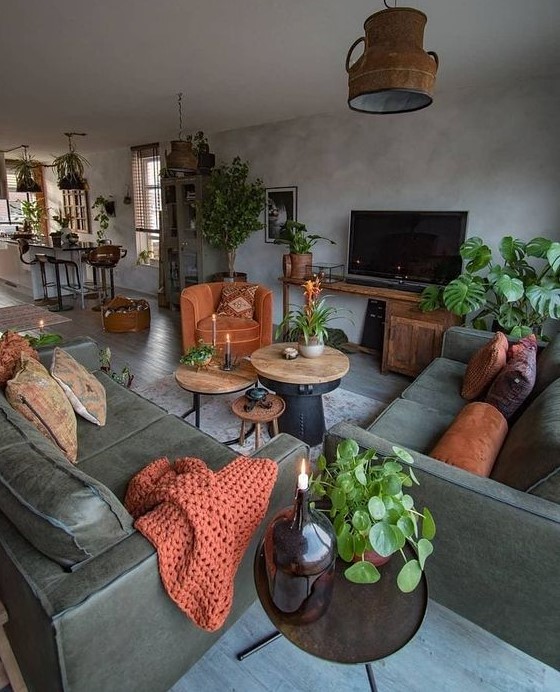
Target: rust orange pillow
x,y
237,300
516,379
36,395
12,345
483,366
474,439
84,391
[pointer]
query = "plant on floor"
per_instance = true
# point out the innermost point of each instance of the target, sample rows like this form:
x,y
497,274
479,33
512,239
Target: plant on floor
x,y
33,214
125,376
199,355
231,208
310,320
294,234
371,512
520,294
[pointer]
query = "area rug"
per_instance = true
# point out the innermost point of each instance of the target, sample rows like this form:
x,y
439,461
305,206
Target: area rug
x,y
217,419
25,316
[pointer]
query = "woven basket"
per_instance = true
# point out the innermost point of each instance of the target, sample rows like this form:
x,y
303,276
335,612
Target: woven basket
x,y
131,320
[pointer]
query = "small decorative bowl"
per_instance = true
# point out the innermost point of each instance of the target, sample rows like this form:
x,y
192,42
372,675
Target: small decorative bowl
x,y
290,353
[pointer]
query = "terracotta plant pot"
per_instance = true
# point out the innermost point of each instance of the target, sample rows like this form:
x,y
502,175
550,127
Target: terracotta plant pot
x,y
297,266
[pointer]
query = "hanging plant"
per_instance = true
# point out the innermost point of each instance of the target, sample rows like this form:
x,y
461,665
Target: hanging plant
x,y
24,169
70,167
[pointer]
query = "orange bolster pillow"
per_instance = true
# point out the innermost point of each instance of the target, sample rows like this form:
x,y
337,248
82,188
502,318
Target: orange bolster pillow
x,y
474,439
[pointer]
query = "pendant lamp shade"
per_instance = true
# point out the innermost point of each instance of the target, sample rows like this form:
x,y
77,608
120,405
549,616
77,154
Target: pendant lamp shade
x,y
394,74
3,177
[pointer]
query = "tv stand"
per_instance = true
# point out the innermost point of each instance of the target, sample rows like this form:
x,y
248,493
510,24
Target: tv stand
x,y
411,338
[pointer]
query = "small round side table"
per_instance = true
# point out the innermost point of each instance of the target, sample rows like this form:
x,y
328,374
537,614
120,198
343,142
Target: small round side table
x,y
258,414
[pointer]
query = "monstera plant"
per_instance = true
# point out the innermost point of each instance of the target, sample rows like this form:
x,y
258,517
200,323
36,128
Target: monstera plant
x,y
519,293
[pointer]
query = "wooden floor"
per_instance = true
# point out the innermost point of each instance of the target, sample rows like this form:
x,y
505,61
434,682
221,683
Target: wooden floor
x,y
449,654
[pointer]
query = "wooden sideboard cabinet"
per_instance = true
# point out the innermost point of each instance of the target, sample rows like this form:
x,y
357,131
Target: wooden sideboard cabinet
x,y
411,338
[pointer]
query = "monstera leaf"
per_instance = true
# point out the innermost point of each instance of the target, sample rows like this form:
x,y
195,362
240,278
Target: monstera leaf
x,y
477,253
553,257
512,249
465,294
510,288
509,316
538,247
545,300
431,298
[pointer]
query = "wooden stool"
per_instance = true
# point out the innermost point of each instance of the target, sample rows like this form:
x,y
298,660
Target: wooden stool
x,y
259,414
7,657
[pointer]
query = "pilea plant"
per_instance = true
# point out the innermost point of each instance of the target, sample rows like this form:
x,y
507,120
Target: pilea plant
x,y
370,510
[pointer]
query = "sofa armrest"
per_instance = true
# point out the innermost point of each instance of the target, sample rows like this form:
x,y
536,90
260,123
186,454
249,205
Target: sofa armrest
x,y
263,313
459,343
496,549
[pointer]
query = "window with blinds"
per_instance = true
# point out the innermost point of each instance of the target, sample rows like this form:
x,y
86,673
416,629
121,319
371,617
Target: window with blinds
x,y
10,209
147,197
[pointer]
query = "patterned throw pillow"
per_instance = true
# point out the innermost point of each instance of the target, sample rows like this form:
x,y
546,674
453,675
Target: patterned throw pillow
x,y
35,394
237,300
516,379
484,365
12,345
83,389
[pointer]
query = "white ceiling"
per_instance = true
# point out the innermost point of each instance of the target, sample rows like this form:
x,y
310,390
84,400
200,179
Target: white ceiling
x,y
113,68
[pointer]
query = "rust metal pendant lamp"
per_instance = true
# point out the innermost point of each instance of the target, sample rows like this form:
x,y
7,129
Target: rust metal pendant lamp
x,y
394,74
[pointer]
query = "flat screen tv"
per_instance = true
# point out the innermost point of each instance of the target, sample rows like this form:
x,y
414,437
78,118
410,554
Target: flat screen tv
x,y
405,249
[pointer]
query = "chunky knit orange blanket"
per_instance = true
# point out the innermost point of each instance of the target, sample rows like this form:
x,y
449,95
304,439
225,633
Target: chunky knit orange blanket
x,y
200,523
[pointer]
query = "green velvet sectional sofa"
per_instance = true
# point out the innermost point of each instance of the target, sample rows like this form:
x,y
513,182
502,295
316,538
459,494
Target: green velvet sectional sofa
x,y
497,551
87,610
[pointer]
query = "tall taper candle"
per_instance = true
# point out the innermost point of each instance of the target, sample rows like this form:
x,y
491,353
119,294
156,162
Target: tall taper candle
x,y
228,351
213,329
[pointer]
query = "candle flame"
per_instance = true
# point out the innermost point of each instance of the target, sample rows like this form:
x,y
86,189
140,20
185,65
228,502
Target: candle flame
x,y
228,337
213,317
41,324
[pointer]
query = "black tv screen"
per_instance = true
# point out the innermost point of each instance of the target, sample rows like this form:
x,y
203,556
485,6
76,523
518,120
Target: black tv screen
x,y
406,249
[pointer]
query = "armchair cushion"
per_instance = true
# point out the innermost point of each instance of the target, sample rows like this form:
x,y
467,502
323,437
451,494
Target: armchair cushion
x,y
237,300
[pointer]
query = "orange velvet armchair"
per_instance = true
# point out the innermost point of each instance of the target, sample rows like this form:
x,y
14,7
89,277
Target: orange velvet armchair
x,y
200,302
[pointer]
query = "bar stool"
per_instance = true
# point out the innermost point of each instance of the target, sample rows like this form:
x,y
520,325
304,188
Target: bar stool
x,y
41,260
69,266
105,258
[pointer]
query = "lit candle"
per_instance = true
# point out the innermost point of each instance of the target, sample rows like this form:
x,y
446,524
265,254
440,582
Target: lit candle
x,y
41,325
303,478
213,329
228,351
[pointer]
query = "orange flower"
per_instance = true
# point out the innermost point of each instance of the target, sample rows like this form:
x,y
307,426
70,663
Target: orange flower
x,y
312,289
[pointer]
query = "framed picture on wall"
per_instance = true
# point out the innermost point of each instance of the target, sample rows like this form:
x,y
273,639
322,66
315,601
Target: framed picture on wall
x,y
281,206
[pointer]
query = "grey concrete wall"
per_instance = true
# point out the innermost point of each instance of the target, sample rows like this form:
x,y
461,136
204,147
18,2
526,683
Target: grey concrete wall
x,y
494,153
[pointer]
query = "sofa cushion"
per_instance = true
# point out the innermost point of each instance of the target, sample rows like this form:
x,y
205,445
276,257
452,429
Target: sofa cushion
x,y
531,451
514,382
484,365
64,513
12,345
473,440
548,488
411,424
237,300
439,386
84,391
37,396
548,367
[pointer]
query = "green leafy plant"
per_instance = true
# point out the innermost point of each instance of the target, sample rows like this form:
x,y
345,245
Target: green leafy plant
x,y
61,219
199,142
24,169
102,217
199,355
70,167
294,234
43,339
520,294
311,319
231,208
33,213
124,378
370,510
144,257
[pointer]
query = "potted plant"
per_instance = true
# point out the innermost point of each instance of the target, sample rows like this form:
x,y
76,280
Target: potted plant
x,y
70,167
144,257
24,168
519,294
33,215
308,322
103,207
72,238
198,356
297,264
231,208
200,146
371,511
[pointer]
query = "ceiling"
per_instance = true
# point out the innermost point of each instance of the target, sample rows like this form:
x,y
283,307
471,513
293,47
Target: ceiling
x,y
113,68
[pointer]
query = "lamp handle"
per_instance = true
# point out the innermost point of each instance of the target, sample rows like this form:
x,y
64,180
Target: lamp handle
x,y
356,42
434,56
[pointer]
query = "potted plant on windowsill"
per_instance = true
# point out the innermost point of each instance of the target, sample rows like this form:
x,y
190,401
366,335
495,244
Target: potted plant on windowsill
x,y
231,208
309,321
371,511
519,295
297,264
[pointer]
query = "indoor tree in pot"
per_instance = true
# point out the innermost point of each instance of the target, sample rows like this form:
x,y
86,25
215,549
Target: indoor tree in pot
x,y
372,514
517,294
297,263
231,208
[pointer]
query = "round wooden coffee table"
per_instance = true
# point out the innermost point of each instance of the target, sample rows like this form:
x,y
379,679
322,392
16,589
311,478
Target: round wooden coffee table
x,y
213,380
301,383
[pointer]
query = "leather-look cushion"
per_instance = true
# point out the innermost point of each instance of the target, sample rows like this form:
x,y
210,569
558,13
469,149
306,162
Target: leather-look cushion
x,y
37,396
237,300
472,442
12,345
514,382
83,389
484,365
